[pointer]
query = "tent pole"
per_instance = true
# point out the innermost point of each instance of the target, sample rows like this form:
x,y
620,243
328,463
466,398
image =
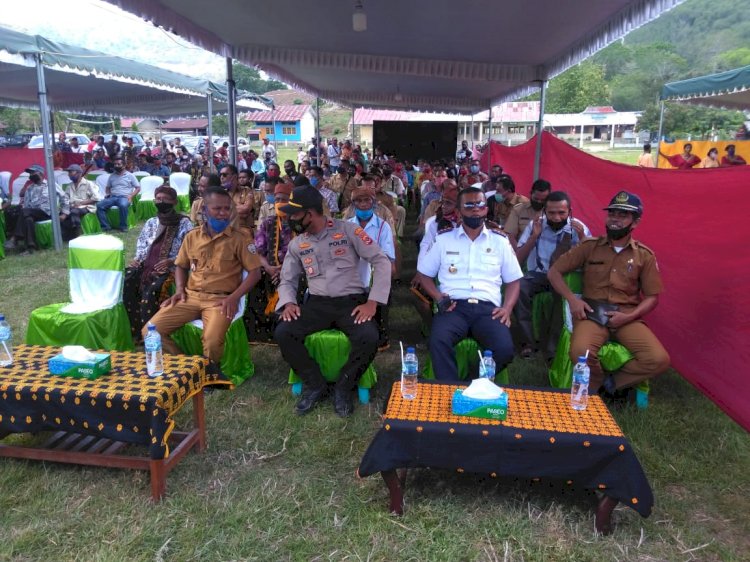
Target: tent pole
x,y
210,130
232,113
47,136
273,122
353,125
540,129
489,144
661,131
472,132
317,131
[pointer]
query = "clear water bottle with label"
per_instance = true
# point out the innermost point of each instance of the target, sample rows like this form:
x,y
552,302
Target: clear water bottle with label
x,y
6,343
487,367
409,372
154,357
579,390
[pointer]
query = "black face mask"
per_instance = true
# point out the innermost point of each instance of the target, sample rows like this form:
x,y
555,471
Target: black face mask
x,y
34,178
297,225
164,208
556,225
472,222
537,205
119,168
618,233
289,171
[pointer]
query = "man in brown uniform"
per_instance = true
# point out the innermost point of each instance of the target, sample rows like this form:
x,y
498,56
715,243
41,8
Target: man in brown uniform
x,y
328,251
529,211
617,270
239,186
503,200
208,278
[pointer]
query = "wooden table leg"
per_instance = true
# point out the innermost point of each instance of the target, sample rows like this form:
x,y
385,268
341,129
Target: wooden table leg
x,y
158,479
603,521
396,491
199,418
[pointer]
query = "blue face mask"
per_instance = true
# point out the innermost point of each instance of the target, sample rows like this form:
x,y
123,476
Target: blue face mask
x,y
474,169
270,199
218,225
314,181
363,215
499,197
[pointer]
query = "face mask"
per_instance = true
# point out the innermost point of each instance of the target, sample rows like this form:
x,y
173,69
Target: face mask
x,y
314,181
277,207
297,225
118,168
618,233
227,185
270,199
556,225
474,169
164,208
363,215
472,222
499,197
73,177
387,173
289,171
537,205
272,173
217,225
34,177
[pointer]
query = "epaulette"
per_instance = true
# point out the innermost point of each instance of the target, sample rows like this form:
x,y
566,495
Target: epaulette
x,y
444,227
492,226
590,239
642,245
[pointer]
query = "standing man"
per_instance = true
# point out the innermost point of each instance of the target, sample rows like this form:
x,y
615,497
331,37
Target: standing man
x,y
542,242
62,144
269,152
112,147
290,171
464,153
645,160
732,159
208,278
621,285
122,187
471,263
315,176
327,251
524,213
495,172
75,148
334,155
343,184
684,161
35,206
83,196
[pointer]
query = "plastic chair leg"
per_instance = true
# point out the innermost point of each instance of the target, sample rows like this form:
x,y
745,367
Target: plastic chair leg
x,y
641,399
364,395
296,389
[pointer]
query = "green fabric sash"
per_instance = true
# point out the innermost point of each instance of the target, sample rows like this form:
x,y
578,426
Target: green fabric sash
x,y
43,231
103,260
103,329
330,349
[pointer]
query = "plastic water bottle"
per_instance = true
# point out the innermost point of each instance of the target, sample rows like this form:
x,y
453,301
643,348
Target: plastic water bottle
x,y
487,367
154,358
6,343
409,373
579,391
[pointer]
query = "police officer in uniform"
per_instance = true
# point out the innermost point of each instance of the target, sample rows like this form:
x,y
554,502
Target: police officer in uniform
x,y
208,277
617,270
327,251
471,263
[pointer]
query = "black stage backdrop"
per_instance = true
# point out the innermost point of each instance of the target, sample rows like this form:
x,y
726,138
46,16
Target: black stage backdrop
x,y
410,140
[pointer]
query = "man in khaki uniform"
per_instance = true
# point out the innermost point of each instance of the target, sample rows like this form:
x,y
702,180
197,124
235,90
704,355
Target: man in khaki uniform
x,y
502,202
524,213
239,186
208,278
327,251
617,270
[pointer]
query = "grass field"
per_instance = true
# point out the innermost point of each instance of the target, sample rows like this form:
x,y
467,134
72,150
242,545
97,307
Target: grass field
x,y
273,486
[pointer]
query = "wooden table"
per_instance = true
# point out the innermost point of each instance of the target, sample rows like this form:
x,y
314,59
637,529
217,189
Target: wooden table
x,y
542,437
93,420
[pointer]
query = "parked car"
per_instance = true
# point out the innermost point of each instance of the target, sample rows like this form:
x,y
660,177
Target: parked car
x,y
38,142
15,141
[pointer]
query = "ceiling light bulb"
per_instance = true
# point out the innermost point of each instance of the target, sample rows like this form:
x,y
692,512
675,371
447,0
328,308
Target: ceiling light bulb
x,y
359,17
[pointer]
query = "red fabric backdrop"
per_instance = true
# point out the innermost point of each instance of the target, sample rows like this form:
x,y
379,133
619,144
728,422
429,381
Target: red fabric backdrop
x,y
16,160
695,222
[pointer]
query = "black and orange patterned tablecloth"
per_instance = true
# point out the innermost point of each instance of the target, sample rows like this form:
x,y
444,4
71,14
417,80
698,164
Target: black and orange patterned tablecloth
x,y
123,405
542,437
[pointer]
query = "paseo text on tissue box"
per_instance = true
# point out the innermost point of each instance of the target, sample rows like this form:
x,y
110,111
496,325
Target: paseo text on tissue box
x,y
494,409
101,365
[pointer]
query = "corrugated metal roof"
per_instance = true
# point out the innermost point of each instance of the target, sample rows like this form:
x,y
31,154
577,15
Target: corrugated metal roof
x,y
365,116
179,124
282,113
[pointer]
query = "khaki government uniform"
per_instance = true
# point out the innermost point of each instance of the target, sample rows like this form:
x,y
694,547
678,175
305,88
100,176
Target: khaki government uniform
x,y
521,215
241,196
215,266
501,211
196,212
618,279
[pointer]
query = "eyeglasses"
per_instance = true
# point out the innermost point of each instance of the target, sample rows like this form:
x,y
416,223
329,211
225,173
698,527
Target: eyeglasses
x,y
224,174
475,205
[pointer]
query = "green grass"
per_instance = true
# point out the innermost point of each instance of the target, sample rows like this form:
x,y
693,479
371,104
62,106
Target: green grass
x,y
273,486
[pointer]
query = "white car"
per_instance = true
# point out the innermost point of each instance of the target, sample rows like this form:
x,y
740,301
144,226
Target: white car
x,y
37,141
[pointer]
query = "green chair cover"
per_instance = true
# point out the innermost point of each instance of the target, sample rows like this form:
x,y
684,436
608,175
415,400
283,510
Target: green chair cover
x,y
541,311
113,215
90,224
236,363
2,233
95,317
183,204
43,231
146,210
330,349
103,329
467,359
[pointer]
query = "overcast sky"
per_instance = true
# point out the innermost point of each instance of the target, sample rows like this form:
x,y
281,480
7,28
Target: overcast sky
x,y
75,22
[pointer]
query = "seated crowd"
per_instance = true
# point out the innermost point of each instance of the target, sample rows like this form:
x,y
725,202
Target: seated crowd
x,y
320,247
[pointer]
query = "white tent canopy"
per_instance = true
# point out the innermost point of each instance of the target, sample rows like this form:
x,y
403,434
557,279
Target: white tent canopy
x,y
420,55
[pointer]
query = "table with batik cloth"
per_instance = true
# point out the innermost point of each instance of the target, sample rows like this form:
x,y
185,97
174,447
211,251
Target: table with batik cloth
x,y
92,420
542,437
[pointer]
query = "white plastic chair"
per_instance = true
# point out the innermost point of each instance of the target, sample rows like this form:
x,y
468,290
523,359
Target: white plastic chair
x,y
149,185
5,183
140,175
62,179
16,187
101,181
181,183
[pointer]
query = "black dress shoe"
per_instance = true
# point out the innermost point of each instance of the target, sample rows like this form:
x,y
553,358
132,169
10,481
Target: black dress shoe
x,y
343,404
310,397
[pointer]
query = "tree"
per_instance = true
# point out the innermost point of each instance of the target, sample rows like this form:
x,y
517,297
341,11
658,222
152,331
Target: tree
x,y
681,120
250,79
577,88
735,58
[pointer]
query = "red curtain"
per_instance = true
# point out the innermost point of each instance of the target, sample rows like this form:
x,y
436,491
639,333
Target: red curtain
x,y
16,160
694,220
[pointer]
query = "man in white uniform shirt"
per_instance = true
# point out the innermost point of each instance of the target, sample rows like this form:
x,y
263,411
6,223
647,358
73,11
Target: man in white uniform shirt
x,y
471,263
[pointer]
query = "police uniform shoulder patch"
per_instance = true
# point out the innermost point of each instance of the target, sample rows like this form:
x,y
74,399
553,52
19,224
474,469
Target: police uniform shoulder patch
x,y
492,226
446,228
359,230
362,235
444,225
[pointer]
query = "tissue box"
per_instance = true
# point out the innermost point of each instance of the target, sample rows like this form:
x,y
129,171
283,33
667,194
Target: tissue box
x,y
101,365
496,409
